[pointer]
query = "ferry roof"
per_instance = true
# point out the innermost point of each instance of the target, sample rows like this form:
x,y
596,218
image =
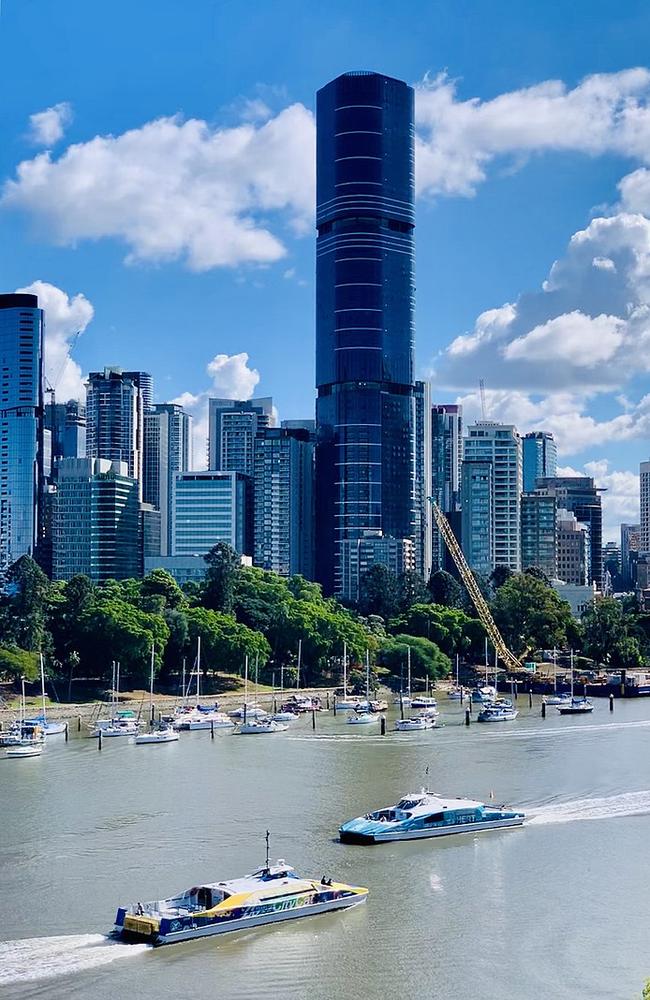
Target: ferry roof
x,y
430,800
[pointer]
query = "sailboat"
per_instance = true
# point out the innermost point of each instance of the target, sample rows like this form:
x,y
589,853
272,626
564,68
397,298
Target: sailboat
x,y
287,713
164,732
425,719
31,739
256,725
555,698
121,723
361,716
577,706
199,718
456,693
250,709
49,728
346,703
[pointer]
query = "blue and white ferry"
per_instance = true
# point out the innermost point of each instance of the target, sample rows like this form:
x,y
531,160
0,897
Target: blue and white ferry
x,y
268,895
426,814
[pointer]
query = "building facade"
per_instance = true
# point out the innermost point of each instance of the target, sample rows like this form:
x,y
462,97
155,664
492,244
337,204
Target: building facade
x,y
365,408
644,475
539,453
67,425
500,444
360,554
573,550
422,480
477,514
95,521
233,425
446,458
539,533
167,450
580,495
283,501
211,507
630,546
21,426
115,418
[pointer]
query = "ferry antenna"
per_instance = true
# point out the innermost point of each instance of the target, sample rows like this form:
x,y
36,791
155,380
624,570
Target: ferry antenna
x,y
267,848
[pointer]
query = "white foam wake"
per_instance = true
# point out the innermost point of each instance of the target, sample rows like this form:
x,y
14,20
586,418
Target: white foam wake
x,y
611,807
44,958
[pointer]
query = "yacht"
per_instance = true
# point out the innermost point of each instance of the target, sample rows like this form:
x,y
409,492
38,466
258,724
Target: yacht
x,y
25,750
426,814
577,706
416,724
559,699
423,701
499,711
455,694
261,726
483,694
361,719
20,733
50,728
268,895
118,727
199,719
162,733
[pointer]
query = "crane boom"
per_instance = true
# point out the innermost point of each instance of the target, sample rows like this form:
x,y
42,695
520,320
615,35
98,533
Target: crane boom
x,y
479,602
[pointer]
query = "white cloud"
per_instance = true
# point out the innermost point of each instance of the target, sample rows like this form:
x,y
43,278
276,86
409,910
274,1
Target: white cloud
x,y
457,140
620,499
231,379
176,189
65,316
47,127
566,338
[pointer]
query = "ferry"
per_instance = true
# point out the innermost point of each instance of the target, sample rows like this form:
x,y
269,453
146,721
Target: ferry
x,y
426,814
268,895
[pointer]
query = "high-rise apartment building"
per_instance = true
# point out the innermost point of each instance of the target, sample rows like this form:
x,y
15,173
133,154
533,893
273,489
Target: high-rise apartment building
x,y
539,458
21,426
573,549
446,457
500,444
580,495
67,425
539,533
115,417
477,514
630,545
423,535
283,501
644,474
358,555
232,427
365,408
95,521
211,507
167,450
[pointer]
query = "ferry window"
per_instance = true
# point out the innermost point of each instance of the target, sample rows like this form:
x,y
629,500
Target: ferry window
x,y
435,818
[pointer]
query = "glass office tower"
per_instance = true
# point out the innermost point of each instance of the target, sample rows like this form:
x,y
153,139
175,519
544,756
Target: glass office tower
x,y
364,314
21,425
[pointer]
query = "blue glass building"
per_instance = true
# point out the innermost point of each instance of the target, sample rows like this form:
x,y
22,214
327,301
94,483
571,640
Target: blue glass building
x,y
364,314
21,425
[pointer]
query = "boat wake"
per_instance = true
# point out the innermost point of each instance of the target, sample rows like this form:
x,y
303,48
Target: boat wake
x,y
611,807
44,958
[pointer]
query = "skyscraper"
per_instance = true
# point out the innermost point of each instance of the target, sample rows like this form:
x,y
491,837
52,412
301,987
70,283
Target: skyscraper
x,y
167,450
67,425
580,495
365,409
630,544
283,526
422,480
446,458
539,533
115,417
211,507
573,549
21,426
500,444
540,458
644,471
232,426
477,517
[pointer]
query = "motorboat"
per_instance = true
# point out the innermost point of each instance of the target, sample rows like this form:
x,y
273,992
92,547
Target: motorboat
x,y
348,704
426,814
416,724
499,711
251,710
162,733
119,727
25,750
361,719
483,694
577,706
261,726
283,716
423,701
558,699
20,733
374,705
199,720
268,895
455,694
402,699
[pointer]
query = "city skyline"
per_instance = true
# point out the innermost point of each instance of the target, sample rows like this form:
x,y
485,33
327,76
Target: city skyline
x,y
259,298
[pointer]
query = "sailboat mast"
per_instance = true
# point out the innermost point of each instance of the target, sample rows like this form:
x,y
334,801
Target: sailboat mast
x,y
43,687
22,701
408,671
153,653
554,671
345,670
246,680
571,675
486,662
368,677
299,663
198,670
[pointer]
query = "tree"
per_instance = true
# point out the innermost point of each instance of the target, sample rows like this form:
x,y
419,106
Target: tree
x,y
604,629
530,615
162,584
127,634
445,589
225,643
23,608
379,592
16,663
499,575
411,589
427,659
219,585
538,573
451,629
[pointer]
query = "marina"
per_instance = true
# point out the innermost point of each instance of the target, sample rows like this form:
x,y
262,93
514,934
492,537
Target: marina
x,y
115,832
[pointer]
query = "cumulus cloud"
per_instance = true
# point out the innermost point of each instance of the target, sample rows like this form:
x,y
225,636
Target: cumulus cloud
x,y
176,189
457,140
232,378
65,316
47,127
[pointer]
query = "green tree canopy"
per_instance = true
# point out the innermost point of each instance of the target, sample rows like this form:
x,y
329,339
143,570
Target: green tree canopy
x,y
220,579
427,659
606,636
379,592
445,589
530,615
451,629
16,663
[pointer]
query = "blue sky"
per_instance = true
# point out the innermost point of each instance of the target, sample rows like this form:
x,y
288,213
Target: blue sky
x,y
192,239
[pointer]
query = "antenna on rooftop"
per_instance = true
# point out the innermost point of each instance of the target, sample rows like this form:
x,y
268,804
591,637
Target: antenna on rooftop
x,y
481,389
267,848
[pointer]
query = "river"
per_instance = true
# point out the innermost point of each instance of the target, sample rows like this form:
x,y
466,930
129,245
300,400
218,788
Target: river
x,y
559,908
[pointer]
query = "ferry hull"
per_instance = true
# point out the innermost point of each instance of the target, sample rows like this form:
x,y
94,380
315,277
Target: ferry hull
x,y
241,924
359,837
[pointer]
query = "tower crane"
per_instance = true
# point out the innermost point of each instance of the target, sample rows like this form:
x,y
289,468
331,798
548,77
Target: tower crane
x,y
507,657
50,387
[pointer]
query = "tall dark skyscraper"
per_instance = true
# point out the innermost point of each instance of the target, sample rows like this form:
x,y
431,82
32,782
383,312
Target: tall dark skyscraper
x,y
364,315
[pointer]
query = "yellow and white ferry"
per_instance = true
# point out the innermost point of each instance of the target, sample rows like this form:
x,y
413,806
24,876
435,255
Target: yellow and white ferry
x,y
266,896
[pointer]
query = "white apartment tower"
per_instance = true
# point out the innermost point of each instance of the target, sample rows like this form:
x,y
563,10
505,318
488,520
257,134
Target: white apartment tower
x,y
500,444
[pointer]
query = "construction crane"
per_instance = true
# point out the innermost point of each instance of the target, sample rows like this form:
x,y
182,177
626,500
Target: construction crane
x,y
51,387
507,657
481,389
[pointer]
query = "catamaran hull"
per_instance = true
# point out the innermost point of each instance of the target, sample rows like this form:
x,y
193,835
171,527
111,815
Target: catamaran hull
x,y
242,924
357,837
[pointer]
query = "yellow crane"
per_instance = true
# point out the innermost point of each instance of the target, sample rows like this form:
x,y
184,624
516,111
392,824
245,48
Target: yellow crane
x,y
506,656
